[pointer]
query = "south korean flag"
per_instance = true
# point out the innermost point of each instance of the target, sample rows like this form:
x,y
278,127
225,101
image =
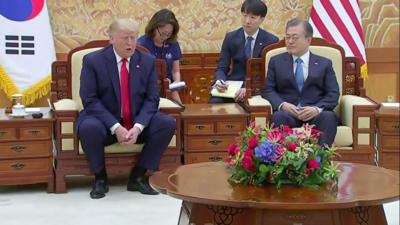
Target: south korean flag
x,y
26,48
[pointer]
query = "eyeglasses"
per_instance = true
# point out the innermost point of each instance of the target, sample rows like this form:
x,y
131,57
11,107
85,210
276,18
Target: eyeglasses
x,y
164,35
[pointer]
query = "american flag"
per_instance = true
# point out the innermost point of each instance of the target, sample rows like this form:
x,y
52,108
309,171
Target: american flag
x,y
340,22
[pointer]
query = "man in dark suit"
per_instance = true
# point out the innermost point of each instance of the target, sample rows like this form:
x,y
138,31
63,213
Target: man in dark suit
x,y
302,86
120,97
240,45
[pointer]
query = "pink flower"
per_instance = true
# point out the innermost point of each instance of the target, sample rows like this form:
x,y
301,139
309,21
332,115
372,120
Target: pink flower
x,y
276,136
248,163
230,161
253,142
252,124
312,164
232,149
292,146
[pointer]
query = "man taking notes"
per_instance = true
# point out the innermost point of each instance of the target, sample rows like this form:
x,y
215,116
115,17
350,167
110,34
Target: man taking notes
x,y
240,45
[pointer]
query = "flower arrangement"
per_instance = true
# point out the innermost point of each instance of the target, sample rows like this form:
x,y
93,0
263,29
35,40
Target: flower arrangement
x,y
281,156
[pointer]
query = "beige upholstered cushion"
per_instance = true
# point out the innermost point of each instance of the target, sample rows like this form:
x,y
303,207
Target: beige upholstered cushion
x,y
118,148
344,136
65,104
76,67
258,100
167,103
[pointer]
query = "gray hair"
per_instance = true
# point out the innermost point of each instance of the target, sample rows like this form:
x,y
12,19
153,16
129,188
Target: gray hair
x,y
308,30
123,24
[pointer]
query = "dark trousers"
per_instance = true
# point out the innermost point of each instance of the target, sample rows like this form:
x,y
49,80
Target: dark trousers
x,y
94,136
326,122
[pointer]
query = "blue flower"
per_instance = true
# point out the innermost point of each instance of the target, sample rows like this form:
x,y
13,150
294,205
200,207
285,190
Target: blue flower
x,y
267,152
318,159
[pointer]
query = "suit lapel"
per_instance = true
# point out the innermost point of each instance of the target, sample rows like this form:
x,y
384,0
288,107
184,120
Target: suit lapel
x,y
112,72
258,45
240,41
289,64
135,70
312,66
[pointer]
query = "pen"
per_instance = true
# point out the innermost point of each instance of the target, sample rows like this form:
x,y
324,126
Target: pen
x,y
223,83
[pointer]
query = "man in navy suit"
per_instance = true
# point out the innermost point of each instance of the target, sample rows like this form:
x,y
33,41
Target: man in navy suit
x,y
240,45
120,97
302,86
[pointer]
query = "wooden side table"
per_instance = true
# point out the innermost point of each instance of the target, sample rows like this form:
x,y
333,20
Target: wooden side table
x,y
388,124
209,129
26,150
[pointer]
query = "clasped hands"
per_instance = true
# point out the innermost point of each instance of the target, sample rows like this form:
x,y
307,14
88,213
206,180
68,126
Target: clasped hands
x,y
126,137
222,87
305,113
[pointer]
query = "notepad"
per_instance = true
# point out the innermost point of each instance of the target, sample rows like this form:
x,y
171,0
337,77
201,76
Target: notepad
x,y
32,110
233,87
391,104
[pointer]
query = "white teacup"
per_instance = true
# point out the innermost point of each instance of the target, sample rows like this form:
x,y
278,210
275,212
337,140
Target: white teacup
x,y
18,109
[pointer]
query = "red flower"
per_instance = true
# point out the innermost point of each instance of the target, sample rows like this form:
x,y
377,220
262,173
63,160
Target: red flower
x,y
312,164
287,129
307,172
248,152
292,146
248,163
232,149
253,142
315,131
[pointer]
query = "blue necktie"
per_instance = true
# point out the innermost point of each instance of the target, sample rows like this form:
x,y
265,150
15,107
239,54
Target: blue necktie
x,y
299,75
247,47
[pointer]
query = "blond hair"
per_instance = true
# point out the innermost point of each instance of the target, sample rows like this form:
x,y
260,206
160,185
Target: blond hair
x,y
123,24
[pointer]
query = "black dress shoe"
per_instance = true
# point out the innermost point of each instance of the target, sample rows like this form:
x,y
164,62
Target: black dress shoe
x,y
141,185
99,190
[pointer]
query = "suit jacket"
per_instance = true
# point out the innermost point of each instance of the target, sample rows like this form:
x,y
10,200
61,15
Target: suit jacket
x,y
232,51
320,89
101,93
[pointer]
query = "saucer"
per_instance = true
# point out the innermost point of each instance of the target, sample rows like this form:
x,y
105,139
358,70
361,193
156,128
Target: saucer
x,y
18,115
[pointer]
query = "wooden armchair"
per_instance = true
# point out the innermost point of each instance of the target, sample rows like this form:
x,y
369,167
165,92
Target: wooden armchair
x,y
355,136
66,102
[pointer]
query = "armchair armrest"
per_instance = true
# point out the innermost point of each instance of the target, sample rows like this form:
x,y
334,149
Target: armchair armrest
x,y
65,104
349,104
358,113
168,104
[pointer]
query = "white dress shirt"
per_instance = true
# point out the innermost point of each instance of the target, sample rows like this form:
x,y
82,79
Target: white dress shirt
x,y
119,64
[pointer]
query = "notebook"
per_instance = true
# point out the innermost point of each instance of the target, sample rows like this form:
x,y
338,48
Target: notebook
x,y
233,87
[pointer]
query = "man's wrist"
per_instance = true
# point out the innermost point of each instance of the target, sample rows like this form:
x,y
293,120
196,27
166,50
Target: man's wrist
x,y
319,110
114,127
280,106
139,126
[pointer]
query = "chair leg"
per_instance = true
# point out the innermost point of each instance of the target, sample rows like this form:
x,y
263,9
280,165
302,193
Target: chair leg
x,y
50,183
60,182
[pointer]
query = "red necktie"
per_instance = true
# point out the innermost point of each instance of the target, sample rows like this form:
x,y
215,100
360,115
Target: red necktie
x,y
125,96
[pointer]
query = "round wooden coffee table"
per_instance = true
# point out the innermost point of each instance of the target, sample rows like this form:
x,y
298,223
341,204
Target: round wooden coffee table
x,y
208,198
